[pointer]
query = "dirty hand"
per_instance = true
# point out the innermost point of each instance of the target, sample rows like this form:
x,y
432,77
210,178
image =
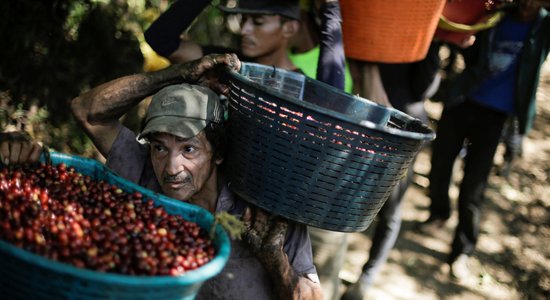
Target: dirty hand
x,y
206,70
17,147
265,234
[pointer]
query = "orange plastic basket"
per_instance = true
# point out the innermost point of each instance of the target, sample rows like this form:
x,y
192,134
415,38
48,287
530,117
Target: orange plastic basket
x,y
462,19
390,31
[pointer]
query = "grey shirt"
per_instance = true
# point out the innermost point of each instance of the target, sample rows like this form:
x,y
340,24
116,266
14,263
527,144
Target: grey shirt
x,y
244,276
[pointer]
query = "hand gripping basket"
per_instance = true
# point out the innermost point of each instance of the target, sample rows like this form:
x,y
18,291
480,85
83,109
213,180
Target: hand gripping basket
x,y
308,152
24,275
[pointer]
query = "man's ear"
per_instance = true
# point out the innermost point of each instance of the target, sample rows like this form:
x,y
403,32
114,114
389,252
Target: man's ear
x,y
290,28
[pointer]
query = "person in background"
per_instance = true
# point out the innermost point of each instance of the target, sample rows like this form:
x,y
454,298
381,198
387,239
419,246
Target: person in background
x,y
500,80
266,28
265,31
407,85
317,48
319,52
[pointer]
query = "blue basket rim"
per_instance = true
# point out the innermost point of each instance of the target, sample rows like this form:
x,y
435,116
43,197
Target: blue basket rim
x,y
342,117
188,278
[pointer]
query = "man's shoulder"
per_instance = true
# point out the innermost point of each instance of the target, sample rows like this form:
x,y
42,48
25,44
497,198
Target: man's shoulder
x,y
128,157
229,201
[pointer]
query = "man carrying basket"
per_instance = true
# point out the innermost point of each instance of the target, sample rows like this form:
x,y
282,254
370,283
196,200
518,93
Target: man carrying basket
x,y
178,153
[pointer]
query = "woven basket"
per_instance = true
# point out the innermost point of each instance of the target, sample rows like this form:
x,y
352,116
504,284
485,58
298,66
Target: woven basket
x,y
306,151
389,31
28,276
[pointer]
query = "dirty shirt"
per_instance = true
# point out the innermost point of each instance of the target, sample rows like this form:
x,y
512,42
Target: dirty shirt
x,y
243,276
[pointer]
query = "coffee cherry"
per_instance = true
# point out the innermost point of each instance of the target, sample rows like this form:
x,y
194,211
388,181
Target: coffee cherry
x,y
66,216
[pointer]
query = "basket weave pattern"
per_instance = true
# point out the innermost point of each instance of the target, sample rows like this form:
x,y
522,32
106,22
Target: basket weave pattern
x,y
309,166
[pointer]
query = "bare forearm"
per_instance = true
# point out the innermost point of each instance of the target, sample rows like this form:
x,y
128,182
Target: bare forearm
x,y
288,284
164,34
291,286
99,109
266,236
109,101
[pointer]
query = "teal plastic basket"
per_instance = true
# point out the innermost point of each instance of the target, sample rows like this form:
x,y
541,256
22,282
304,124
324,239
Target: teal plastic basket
x,y
24,275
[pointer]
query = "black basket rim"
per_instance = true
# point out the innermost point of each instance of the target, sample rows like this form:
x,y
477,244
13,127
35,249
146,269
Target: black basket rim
x,y
429,136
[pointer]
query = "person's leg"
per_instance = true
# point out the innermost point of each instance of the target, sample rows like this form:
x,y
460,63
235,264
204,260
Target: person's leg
x,y
389,223
445,148
386,232
385,235
329,250
484,139
513,142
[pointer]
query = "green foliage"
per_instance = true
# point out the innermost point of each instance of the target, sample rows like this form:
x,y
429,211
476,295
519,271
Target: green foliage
x,y
52,50
232,224
209,28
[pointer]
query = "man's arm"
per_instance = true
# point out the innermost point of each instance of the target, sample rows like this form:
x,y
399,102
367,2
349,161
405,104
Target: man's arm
x,y
265,234
98,110
164,34
331,65
372,86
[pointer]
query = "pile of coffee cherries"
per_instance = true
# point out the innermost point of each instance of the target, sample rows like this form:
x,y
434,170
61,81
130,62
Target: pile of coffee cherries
x,y
56,212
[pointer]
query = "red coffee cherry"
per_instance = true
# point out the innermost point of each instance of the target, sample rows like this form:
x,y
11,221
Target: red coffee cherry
x,y
64,215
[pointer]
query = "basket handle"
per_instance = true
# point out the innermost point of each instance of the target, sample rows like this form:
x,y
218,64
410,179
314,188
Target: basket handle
x,y
447,24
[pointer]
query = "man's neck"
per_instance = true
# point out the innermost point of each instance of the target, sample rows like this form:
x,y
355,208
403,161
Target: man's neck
x,y
207,198
278,59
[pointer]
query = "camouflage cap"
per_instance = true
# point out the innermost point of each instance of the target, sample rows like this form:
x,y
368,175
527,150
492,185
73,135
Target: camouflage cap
x,y
183,110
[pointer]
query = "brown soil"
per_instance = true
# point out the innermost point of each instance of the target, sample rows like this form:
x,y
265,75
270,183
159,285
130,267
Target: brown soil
x,y
512,259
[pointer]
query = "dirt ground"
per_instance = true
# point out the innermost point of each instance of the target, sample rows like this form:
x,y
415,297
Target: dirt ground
x,y
512,259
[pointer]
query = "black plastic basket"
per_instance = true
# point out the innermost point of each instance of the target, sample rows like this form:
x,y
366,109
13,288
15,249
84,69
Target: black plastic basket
x,y
311,153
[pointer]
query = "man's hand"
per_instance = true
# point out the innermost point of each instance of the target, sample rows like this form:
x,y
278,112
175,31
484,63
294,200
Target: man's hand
x,y
265,235
17,147
206,70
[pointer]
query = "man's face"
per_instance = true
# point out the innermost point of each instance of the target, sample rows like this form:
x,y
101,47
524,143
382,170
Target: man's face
x,y
261,35
182,166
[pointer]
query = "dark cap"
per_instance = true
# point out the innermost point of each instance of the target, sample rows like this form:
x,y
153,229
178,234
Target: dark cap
x,y
183,110
287,8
